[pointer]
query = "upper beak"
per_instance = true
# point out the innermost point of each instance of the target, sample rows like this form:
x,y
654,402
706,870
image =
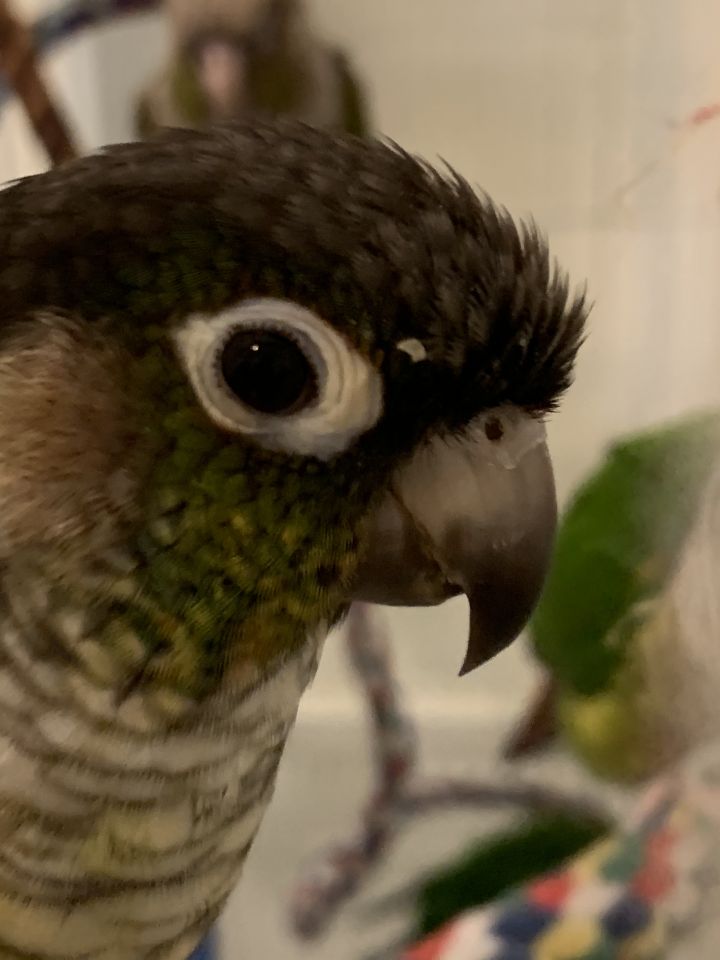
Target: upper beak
x,y
474,515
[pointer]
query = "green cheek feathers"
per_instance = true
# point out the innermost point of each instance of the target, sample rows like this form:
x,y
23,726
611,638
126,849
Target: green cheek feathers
x,y
241,556
238,587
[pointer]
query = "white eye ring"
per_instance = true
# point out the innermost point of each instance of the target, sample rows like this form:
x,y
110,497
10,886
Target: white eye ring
x,y
349,388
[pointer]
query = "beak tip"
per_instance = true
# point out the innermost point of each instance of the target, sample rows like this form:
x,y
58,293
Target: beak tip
x,y
472,661
491,631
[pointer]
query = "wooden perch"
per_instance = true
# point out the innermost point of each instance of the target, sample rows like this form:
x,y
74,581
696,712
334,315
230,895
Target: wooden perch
x,y
19,64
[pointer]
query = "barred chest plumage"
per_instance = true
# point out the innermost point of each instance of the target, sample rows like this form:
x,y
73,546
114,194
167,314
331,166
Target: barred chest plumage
x,y
121,832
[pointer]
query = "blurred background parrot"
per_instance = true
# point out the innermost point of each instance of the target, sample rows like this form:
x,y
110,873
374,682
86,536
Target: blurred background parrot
x,y
250,58
233,405
634,670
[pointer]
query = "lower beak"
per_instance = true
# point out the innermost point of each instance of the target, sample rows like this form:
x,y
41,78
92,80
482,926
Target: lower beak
x,y
473,515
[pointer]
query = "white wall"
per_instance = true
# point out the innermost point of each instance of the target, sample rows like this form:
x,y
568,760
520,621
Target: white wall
x,y
553,107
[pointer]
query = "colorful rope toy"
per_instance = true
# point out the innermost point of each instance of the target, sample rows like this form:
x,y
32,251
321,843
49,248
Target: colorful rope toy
x,y
631,896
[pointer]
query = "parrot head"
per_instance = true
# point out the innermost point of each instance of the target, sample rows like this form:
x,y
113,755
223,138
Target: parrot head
x,y
252,374
246,58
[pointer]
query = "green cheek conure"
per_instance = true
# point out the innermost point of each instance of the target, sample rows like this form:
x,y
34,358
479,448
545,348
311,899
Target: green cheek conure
x,y
247,376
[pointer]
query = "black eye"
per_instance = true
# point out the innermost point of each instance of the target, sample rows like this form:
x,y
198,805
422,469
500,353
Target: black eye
x,y
268,371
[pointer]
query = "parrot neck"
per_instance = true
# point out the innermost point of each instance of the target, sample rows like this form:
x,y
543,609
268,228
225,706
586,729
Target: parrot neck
x,y
131,800
221,594
207,600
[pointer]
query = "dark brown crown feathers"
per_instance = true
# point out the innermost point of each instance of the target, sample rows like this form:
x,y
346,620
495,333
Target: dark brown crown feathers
x,y
359,229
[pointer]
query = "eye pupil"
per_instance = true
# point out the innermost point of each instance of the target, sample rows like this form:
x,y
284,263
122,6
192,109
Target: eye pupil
x,y
268,371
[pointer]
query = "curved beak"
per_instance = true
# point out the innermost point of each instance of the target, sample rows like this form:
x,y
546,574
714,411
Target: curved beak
x,y
473,515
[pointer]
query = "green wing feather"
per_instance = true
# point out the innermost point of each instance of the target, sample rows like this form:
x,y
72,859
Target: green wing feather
x,y
617,545
498,864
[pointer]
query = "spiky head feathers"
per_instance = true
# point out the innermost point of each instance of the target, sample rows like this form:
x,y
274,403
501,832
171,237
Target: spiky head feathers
x,y
380,245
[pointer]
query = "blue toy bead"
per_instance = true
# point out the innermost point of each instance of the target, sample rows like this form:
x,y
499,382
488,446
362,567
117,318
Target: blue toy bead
x,y
628,917
207,950
521,922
